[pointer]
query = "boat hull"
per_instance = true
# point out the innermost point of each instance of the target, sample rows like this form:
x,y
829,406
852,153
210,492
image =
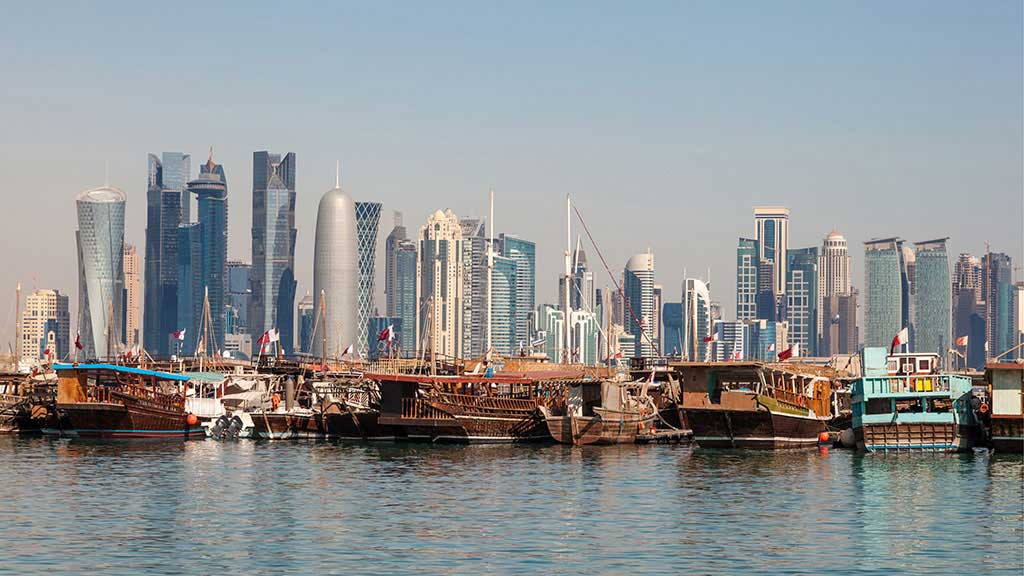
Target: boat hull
x,y
921,437
340,422
758,429
610,428
1008,434
285,426
116,420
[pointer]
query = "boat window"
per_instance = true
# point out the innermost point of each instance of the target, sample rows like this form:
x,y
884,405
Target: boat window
x,y
924,365
940,405
909,405
878,406
892,366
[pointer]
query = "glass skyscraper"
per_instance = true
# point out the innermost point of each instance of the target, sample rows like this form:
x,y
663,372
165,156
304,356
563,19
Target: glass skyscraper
x,y
772,227
306,323
100,240
404,295
504,336
998,288
802,299
273,246
211,191
166,196
190,294
746,279
367,224
672,328
524,254
933,305
696,320
638,289
884,287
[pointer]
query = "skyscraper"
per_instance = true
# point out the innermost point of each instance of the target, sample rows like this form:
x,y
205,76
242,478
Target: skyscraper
x,y
404,295
238,296
803,299
100,240
273,246
835,265
439,284
336,274
772,227
45,316
581,296
696,320
211,192
524,254
474,286
672,316
367,224
397,236
746,279
190,291
132,296
638,289
307,320
998,289
504,336
933,305
839,330
884,288
164,202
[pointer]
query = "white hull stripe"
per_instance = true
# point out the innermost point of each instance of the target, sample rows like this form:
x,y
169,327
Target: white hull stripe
x,y
756,439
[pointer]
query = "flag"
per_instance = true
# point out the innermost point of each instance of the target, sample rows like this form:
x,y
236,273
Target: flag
x,y
771,347
78,340
387,334
711,338
489,355
179,335
787,353
736,355
961,341
265,338
46,352
348,350
902,337
613,356
275,335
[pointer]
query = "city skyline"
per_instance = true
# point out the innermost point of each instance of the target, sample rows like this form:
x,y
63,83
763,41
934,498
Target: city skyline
x,y
813,139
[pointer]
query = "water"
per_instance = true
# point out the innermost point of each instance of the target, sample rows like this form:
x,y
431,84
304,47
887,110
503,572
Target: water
x,y
203,507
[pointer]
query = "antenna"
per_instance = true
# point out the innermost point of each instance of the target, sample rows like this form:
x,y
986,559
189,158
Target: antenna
x,y
106,173
337,173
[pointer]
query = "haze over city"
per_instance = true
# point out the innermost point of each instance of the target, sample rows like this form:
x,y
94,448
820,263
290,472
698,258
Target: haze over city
x,y
666,123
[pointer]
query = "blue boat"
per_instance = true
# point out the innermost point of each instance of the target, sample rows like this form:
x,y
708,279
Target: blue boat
x,y
904,402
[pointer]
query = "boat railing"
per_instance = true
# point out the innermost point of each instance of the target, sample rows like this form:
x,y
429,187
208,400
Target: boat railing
x,y
907,384
113,394
419,408
486,403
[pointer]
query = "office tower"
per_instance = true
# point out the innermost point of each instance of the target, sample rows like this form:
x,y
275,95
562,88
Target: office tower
x,y
732,343
933,304
834,269
474,286
336,274
395,238
696,320
307,319
772,234
1018,317
583,324
367,224
377,348
839,331
766,340
907,275
439,284
45,318
999,291
581,295
638,296
747,267
656,316
884,291
768,301
524,254
550,325
803,299
617,307
672,322
211,190
504,287
404,296
273,246
100,240
968,275
132,297
190,291
165,197
238,296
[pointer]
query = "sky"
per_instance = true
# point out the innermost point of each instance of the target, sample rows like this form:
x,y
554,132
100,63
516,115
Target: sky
x,y
666,122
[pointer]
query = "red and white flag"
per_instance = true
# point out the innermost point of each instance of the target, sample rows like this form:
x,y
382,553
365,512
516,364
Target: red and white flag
x,y
711,338
348,350
736,355
387,334
78,340
961,341
272,335
902,337
790,352
179,335
771,347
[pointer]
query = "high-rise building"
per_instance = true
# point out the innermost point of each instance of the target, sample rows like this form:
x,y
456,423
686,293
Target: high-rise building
x,y
166,196
999,292
884,291
504,336
907,275
439,284
839,333
367,224
524,254
404,295
1018,317
747,267
733,341
672,328
638,292
658,299
211,190
615,302
696,320
273,246
336,274
474,286
132,297
190,291
45,318
803,303
833,272
307,319
100,240
238,296
933,304
772,228
395,238
581,295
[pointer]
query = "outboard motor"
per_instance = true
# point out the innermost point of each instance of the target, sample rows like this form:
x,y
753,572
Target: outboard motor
x,y
218,428
234,427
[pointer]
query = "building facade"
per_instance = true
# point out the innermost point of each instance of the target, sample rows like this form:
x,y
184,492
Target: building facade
x,y
45,319
803,302
211,191
307,319
638,292
524,254
132,327
884,287
273,246
999,291
933,302
100,240
839,333
404,295
367,225
772,233
696,321
672,329
238,296
166,194
397,235
336,275
747,268
439,284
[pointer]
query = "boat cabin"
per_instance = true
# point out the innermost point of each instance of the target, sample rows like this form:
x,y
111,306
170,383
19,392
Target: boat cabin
x,y
912,364
1006,389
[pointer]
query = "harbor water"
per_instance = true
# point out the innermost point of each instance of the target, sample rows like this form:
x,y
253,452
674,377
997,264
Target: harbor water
x,y
204,507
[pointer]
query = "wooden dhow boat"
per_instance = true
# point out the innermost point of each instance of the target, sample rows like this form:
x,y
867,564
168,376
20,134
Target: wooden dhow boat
x,y
601,412
351,409
755,405
112,401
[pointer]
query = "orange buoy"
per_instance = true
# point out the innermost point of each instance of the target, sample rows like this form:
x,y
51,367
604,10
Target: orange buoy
x,y
983,408
192,419
823,437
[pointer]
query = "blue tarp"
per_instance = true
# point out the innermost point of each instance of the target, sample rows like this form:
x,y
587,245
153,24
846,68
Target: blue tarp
x,y
124,369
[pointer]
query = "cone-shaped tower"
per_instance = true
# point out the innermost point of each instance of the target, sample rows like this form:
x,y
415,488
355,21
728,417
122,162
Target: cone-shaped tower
x,y
335,272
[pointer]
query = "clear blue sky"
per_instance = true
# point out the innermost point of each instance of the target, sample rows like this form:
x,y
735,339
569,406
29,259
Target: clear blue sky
x,y
666,122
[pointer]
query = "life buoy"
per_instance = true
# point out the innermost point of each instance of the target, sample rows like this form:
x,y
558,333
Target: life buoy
x,y
800,401
275,401
983,408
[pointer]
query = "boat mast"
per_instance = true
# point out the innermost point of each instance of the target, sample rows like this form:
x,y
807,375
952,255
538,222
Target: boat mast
x,y
17,326
567,312
490,272
322,319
